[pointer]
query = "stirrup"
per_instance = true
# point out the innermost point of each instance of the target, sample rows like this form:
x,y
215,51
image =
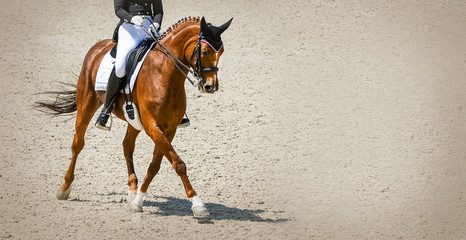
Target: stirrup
x,y
102,121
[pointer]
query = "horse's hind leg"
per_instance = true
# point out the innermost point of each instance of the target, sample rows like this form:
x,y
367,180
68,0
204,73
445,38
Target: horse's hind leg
x,y
128,149
86,107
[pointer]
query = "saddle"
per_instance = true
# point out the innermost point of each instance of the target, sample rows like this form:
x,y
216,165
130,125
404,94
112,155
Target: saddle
x,y
136,55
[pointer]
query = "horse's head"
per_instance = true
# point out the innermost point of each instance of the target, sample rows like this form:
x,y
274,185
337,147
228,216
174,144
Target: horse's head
x,y
208,51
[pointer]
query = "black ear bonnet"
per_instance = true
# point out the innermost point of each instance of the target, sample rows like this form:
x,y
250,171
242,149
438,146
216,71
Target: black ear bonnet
x,y
212,34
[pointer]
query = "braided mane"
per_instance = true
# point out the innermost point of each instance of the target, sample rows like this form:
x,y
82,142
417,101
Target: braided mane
x,y
174,26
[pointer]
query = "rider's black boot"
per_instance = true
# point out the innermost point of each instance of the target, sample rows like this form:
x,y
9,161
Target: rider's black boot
x,y
185,122
113,86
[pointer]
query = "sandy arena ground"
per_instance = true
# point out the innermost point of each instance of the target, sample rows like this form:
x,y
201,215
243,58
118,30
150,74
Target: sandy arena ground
x,y
334,120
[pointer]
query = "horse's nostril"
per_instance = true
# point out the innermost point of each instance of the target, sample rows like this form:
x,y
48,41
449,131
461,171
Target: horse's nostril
x,y
208,88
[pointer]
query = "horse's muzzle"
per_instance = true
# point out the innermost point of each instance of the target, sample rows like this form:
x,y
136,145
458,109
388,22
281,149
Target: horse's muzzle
x,y
208,88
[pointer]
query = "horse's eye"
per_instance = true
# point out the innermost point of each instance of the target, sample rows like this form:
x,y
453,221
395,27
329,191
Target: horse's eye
x,y
204,51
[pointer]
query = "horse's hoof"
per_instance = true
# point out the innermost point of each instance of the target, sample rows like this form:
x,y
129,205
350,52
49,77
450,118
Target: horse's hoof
x,y
63,195
134,208
200,211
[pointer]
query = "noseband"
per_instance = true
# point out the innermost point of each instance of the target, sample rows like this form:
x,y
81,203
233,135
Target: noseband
x,y
198,71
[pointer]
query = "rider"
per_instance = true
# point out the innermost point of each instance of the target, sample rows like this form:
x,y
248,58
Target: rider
x,y
136,16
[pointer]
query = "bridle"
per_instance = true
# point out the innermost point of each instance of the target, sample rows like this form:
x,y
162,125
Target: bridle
x,y
198,71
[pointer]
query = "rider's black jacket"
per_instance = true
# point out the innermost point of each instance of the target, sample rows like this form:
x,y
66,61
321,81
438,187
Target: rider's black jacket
x,y
126,9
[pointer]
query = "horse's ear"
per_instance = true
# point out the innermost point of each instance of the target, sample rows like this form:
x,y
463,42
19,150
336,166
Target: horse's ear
x,y
224,27
204,28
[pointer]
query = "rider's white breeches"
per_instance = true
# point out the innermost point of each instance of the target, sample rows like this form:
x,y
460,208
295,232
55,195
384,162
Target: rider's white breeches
x,y
129,37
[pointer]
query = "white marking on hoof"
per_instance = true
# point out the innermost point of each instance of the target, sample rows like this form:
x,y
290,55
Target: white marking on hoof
x,y
198,208
63,195
136,204
131,196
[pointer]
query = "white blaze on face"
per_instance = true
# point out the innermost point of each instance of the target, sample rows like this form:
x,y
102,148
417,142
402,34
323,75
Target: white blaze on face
x,y
215,64
216,59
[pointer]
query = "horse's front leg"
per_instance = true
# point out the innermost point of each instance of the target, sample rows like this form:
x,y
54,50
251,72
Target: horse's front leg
x,y
163,142
154,167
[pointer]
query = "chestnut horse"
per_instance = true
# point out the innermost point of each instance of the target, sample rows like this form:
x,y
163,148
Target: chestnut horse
x,y
159,95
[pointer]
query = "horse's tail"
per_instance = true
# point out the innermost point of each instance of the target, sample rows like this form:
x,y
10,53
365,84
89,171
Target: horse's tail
x,y
65,102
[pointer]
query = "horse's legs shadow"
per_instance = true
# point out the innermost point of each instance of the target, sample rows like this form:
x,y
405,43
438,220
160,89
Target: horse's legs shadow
x,y
170,206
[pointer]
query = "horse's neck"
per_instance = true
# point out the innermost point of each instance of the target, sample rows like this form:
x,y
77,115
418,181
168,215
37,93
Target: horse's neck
x,y
178,43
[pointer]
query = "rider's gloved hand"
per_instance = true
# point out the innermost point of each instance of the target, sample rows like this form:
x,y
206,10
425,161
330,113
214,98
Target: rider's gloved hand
x,y
154,29
137,20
